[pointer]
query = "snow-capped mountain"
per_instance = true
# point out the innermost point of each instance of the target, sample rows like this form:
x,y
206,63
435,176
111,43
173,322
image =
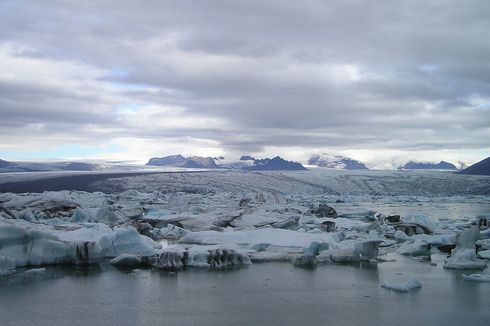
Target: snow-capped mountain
x,y
336,162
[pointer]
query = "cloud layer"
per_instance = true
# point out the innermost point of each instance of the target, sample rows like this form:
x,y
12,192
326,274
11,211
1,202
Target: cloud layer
x,y
380,81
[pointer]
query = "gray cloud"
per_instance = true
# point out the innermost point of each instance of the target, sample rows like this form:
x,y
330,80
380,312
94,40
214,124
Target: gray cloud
x,y
312,74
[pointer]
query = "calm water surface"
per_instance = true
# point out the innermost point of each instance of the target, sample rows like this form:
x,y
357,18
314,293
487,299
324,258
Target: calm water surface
x,y
261,294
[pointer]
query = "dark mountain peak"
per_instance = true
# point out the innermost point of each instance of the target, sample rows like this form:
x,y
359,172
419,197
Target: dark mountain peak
x,y
442,165
479,168
247,158
276,163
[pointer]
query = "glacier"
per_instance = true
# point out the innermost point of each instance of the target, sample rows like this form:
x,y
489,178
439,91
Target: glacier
x,y
225,219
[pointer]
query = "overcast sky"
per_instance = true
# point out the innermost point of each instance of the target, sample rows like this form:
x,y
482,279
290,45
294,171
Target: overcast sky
x,y
379,81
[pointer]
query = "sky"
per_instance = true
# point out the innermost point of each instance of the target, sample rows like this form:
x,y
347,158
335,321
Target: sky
x,y
383,82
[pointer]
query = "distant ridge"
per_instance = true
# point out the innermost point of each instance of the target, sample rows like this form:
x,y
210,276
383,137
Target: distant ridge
x,y
479,168
4,163
276,163
442,165
6,166
185,162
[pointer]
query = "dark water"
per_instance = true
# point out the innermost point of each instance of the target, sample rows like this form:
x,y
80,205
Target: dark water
x,y
261,294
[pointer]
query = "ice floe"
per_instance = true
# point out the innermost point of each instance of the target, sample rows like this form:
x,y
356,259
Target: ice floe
x,y
405,286
476,277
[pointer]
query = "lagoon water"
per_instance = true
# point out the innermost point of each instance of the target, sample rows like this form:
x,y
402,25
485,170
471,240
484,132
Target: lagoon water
x,y
260,294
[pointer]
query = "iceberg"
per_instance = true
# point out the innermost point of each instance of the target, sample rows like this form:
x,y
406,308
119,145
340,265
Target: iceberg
x,y
464,255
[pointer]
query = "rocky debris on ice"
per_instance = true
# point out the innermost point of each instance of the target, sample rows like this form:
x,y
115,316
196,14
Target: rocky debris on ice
x,y
213,257
476,277
405,286
167,260
328,226
323,210
482,221
464,255
6,213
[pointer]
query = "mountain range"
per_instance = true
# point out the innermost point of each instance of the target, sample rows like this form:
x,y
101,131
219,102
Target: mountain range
x,y
246,163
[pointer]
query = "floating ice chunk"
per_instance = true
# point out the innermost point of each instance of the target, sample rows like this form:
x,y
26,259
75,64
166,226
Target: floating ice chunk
x,y
170,232
476,277
365,250
248,238
306,260
464,255
87,232
427,223
315,247
27,215
402,236
307,219
126,260
79,215
267,256
484,244
345,255
35,271
368,249
126,240
416,248
106,215
132,212
465,259
289,223
406,286
485,234
28,247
